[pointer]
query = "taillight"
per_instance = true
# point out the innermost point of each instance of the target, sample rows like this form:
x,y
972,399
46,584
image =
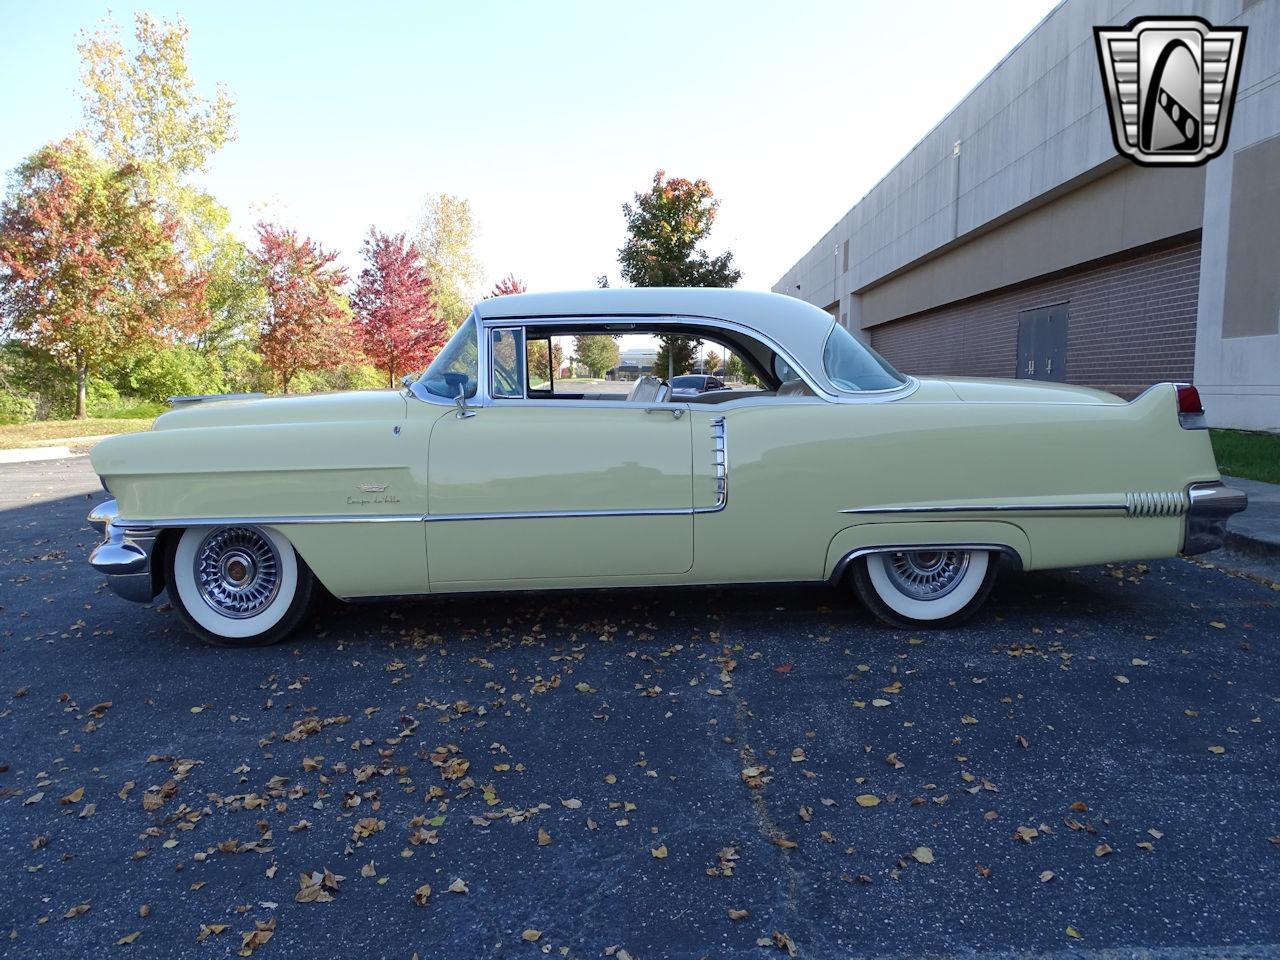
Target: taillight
x,y
1190,409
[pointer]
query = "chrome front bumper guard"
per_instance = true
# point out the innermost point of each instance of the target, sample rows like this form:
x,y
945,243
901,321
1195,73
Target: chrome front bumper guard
x,y
124,556
1212,504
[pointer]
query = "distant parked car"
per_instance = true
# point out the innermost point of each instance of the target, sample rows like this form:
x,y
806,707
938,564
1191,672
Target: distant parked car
x,y
693,384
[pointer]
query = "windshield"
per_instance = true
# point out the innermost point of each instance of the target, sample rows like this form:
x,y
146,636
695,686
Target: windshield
x,y
455,367
853,368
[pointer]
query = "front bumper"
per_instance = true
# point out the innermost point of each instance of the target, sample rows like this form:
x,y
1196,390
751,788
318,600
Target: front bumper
x,y
1212,504
124,556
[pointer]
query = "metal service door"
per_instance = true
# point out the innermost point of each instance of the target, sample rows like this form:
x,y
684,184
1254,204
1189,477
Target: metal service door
x,y
1042,343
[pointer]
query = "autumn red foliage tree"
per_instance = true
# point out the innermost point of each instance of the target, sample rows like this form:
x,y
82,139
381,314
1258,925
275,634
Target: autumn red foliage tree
x,y
307,325
396,318
86,268
508,285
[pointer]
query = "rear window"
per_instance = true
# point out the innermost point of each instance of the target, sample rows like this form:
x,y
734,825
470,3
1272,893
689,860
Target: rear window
x,y
854,368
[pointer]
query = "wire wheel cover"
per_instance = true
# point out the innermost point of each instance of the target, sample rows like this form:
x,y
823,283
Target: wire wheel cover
x,y
237,571
927,574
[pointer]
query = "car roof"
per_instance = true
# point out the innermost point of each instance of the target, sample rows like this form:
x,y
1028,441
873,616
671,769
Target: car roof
x,y
798,327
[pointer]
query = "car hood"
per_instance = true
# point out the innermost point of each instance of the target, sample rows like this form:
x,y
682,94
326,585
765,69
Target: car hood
x,y
309,408
979,390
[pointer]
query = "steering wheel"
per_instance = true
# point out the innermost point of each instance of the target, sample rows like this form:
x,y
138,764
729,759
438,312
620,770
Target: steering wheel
x,y
458,381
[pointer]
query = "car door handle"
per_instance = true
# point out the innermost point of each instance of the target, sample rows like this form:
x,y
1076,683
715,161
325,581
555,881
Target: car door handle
x,y
676,412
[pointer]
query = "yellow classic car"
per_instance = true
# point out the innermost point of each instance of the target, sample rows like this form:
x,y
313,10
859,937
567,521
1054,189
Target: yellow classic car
x,y
488,472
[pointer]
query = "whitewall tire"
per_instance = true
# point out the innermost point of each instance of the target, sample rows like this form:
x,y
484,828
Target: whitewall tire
x,y
924,588
238,585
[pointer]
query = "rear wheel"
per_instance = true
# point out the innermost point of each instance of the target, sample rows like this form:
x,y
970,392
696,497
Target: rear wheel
x,y
239,586
924,588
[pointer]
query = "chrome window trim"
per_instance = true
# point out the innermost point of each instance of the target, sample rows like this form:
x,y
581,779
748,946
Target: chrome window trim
x,y
868,396
522,370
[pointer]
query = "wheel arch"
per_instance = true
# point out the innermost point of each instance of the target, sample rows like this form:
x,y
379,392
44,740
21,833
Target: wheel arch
x,y
860,539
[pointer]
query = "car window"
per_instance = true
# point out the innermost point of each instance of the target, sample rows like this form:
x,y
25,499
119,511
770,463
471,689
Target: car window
x,y
456,368
506,349
853,368
685,383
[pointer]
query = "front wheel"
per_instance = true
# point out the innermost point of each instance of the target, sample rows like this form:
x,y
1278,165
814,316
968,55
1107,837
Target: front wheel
x,y
924,588
238,586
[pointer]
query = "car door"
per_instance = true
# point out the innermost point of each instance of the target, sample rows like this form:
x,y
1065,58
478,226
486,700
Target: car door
x,y
552,490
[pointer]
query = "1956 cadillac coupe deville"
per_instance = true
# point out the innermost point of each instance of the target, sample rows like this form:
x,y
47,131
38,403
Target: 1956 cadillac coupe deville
x,y
484,474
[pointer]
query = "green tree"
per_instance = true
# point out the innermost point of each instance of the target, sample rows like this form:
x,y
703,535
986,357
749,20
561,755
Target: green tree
x,y
87,270
665,226
712,362
598,353
675,356
143,110
446,235
736,371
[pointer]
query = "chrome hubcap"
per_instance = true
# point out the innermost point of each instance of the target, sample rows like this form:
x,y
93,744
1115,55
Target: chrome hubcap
x,y
237,571
927,574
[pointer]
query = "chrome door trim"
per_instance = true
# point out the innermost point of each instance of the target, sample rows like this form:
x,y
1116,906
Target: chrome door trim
x,y
266,521
555,514
996,508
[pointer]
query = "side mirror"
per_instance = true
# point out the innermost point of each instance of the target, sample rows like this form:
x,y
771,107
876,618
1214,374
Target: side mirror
x,y
463,410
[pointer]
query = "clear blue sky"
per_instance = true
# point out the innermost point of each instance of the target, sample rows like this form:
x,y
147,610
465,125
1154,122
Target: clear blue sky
x,y
547,116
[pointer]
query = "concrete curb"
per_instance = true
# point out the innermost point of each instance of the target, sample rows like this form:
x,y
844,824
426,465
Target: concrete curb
x,y
34,454
1258,548
1255,533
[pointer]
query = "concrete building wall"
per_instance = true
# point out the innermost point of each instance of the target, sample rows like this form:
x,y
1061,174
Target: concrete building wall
x,y
1021,182
1238,358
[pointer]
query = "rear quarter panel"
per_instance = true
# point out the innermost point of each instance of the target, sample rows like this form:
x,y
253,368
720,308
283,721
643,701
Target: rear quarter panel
x,y
795,466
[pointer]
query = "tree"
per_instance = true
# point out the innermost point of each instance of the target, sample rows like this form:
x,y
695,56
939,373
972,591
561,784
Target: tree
x,y
395,312
89,270
664,228
307,324
142,109
675,356
445,238
597,353
713,362
736,371
506,286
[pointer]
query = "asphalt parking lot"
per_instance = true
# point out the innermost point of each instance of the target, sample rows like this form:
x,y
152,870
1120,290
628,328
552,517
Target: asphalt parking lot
x,y
1091,769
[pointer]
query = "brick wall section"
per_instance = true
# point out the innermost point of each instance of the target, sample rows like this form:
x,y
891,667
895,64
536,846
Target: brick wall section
x,y
1132,323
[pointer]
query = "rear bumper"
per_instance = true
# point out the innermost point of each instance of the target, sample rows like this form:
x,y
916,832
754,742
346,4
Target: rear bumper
x,y
1212,504
124,556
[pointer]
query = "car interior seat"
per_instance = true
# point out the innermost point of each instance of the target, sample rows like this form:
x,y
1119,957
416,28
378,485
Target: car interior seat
x,y
648,390
794,388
